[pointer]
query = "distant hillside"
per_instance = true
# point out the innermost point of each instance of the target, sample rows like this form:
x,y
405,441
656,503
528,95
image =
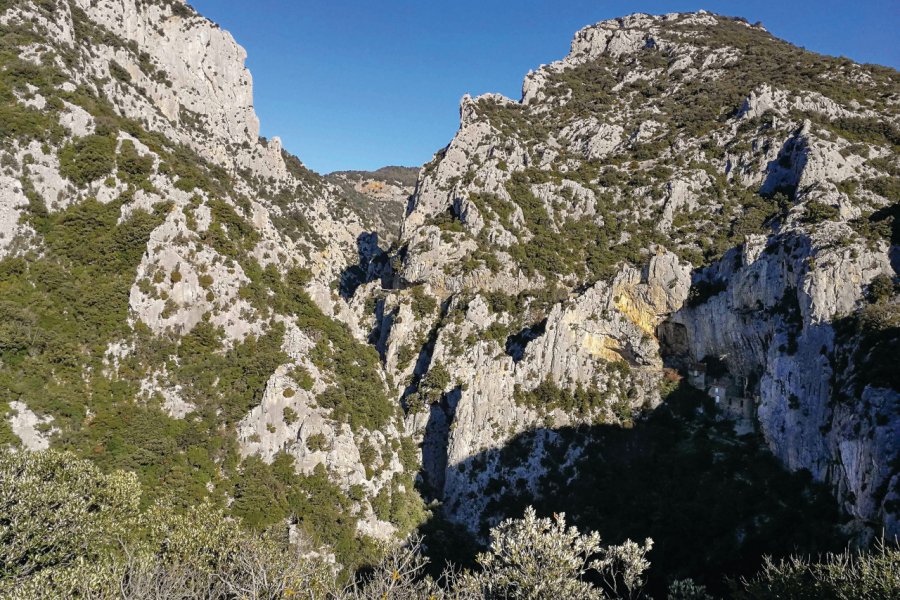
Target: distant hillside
x,y
382,196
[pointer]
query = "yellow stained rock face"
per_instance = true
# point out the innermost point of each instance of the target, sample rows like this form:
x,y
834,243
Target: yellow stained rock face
x,y
602,346
373,186
637,310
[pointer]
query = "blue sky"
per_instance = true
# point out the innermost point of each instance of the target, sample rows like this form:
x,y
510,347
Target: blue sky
x,y
359,84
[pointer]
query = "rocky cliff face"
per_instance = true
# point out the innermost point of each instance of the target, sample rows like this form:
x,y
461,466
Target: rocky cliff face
x,y
667,193
185,299
178,241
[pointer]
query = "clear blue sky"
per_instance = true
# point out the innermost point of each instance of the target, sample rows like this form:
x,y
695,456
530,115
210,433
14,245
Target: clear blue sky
x,y
359,84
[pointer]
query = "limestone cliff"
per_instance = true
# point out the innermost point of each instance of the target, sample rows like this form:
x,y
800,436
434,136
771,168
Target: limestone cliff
x,y
668,193
184,299
186,268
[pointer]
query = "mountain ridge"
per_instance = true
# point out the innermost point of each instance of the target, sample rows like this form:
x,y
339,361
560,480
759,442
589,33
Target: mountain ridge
x,y
491,200
185,299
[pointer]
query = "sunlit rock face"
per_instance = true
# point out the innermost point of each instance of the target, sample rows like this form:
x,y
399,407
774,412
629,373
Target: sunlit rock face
x,y
605,220
668,194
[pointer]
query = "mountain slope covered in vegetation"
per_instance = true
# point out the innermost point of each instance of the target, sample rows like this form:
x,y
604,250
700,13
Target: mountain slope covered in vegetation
x,y
658,293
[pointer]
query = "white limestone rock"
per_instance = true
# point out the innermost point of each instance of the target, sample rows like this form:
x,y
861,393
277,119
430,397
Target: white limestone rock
x,y
33,431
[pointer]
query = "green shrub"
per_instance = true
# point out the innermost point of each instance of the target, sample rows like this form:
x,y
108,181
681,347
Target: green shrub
x,y
886,187
317,442
882,288
434,383
845,576
547,555
423,305
817,212
89,158
548,396
302,377
118,72
56,510
69,531
134,168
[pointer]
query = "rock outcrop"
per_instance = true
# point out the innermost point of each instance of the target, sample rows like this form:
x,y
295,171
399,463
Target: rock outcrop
x,y
184,298
629,210
135,120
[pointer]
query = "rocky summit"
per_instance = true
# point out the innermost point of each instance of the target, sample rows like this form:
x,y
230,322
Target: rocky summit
x,y
658,292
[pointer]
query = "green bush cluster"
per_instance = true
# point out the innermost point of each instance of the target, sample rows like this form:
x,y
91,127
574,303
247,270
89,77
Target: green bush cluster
x,y
63,307
134,168
229,234
817,212
357,394
71,531
233,381
579,247
400,503
269,494
423,306
17,121
584,402
89,158
317,442
434,383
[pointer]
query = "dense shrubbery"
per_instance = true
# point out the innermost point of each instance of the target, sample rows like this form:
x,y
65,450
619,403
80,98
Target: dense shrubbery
x,y
67,530
560,247
231,382
423,306
89,158
63,308
548,396
358,394
816,213
134,168
845,576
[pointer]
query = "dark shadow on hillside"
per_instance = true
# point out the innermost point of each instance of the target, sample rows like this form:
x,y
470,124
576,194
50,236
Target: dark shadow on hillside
x,y
889,217
516,343
371,263
713,502
435,443
783,173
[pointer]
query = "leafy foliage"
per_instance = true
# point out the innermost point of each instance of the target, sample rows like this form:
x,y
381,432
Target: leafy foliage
x,y
89,158
68,530
543,558
843,576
